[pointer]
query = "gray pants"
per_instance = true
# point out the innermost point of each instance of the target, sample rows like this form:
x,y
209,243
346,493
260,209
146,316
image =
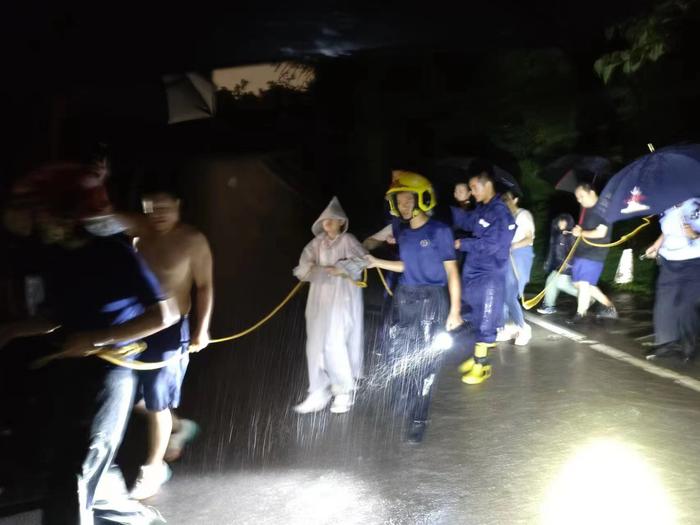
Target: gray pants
x,y
558,283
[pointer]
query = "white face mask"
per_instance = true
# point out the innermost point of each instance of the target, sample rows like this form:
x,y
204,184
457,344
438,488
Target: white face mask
x,y
104,226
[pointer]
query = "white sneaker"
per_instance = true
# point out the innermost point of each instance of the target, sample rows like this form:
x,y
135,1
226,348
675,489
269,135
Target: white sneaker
x,y
149,481
506,333
341,403
314,402
524,335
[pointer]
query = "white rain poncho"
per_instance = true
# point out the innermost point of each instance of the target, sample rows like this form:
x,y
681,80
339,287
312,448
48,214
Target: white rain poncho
x,y
334,309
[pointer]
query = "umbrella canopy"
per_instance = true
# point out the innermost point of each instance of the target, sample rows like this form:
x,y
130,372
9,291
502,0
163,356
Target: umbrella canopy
x,y
190,97
573,178
567,171
457,168
652,184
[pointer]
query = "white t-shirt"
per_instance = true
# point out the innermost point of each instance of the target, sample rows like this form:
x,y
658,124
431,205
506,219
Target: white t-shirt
x,y
524,223
676,245
383,234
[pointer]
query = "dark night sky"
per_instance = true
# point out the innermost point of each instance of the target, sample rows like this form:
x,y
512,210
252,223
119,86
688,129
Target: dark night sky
x,y
55,43
109,57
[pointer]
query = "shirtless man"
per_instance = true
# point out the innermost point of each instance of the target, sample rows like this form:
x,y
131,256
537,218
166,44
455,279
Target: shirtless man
x,y
180,257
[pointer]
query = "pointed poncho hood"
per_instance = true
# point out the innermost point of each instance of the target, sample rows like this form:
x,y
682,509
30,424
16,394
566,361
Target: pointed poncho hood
x,y
333,211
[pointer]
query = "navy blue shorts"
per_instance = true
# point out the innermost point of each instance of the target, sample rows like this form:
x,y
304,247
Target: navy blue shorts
x,y
586,270
160,389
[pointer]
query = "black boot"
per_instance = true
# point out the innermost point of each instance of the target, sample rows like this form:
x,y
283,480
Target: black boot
x,y
576,319
416,431
664,351
689,350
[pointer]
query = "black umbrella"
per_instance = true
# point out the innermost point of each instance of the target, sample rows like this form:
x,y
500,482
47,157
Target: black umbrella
x,y
566,172
456,168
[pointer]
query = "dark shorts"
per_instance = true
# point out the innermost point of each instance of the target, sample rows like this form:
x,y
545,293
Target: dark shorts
x,y
160,389
586,270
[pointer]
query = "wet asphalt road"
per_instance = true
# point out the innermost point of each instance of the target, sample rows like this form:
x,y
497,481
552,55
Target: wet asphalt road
x,y
504,452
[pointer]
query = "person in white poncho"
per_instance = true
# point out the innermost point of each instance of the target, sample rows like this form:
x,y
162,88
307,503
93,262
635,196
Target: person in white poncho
x,y
332,263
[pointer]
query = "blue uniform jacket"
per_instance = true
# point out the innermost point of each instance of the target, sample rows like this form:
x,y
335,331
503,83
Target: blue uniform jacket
x,y
492,227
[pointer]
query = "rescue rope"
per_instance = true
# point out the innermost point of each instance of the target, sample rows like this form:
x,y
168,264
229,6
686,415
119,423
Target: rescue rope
x,y
265,319
646,221
531,303
104,352
386,286
118,360
117,356
295,290
359,284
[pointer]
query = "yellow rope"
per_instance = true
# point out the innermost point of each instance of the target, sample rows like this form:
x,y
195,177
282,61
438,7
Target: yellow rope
x,y
531,303
386,286
646,222
139,365
117,356
106,353
359,284
295,290
265,319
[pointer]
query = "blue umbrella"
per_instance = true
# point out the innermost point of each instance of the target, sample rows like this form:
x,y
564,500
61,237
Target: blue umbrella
x,y
652,184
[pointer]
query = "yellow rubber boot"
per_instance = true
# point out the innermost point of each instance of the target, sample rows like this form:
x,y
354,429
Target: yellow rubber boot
x,y
478,374
466,366
479,370
480,350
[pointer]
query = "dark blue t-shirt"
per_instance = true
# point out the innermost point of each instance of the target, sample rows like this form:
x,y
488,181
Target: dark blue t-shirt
x,y
423,251
492,226
104,283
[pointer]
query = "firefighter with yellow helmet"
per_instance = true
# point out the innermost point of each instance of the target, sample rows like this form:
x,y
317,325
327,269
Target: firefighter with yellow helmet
x,y
427,299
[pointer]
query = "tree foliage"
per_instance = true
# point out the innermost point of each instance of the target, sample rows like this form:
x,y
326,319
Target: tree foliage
x,y
646,37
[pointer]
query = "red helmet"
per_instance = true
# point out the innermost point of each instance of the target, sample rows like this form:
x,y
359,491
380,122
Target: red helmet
x,y
69,190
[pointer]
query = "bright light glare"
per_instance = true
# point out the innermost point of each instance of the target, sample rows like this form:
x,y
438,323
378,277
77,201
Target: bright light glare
x,y
410,362
607,483
331,498
442,341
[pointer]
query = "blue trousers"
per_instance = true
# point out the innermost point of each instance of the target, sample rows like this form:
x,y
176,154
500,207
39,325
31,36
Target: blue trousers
x,y
515,284
482,303
91,407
